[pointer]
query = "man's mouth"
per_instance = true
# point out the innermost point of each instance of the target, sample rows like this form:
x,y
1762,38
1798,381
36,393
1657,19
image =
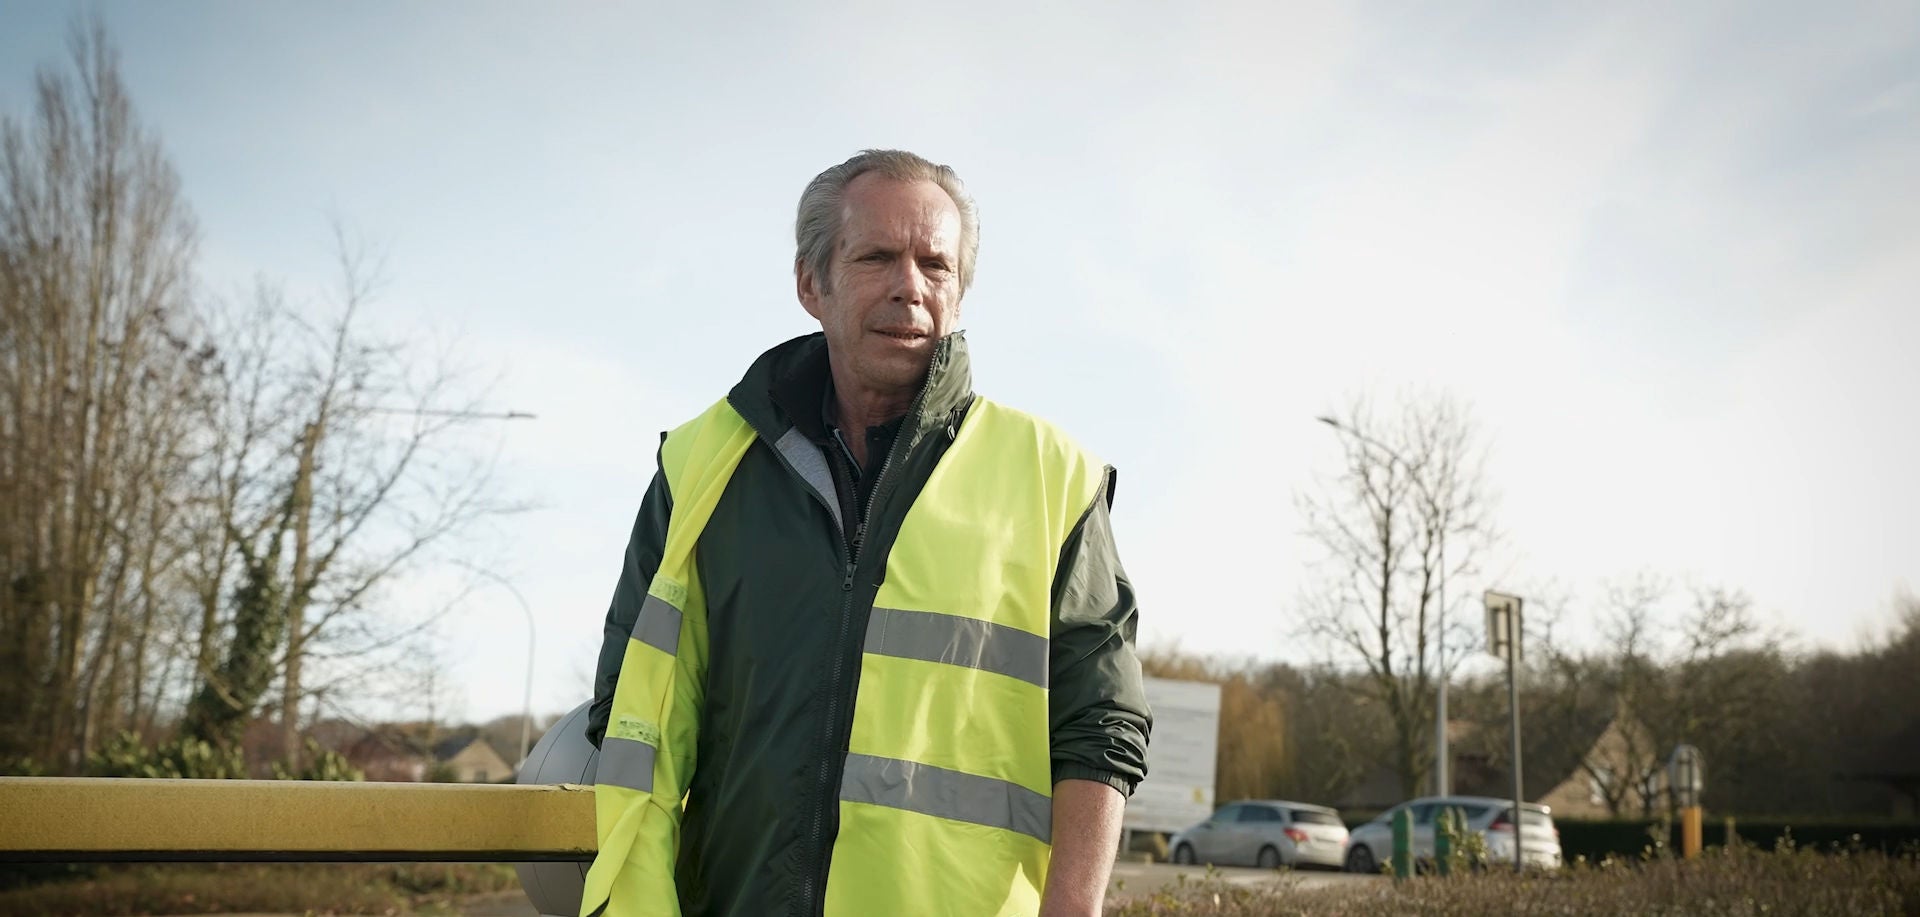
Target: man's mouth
x,y
903,335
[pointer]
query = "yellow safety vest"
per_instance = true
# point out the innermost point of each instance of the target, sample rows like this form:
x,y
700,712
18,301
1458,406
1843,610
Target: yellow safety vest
x,y
946,798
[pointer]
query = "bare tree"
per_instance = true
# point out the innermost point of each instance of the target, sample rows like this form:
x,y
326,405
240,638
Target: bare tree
x,y
95,253
1638,684
1707,675
196,506
1407,514
349,464
241,433
1729,689
1573,698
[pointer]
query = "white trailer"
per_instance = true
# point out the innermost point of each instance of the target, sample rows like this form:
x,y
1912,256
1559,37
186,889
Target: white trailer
x,y
1178,791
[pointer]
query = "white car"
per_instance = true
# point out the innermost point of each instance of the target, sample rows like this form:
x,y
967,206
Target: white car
x,y
1372,843
1267,833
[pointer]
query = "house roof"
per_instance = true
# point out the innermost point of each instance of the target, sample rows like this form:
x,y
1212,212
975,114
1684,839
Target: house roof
x,y
386,740
454,745
1477,771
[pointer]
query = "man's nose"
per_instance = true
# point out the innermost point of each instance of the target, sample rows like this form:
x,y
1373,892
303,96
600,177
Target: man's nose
x,y
909,284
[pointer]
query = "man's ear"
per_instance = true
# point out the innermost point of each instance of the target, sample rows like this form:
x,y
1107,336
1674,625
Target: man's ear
x,y
807,287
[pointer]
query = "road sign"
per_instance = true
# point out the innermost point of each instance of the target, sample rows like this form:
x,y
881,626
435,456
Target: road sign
x,y
1687,774
1503,624
1503,639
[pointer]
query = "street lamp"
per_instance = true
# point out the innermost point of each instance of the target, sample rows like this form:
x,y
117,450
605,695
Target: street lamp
x,y
526,710
1440,760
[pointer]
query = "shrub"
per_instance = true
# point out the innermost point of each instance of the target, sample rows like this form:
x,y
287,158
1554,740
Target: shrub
x,y
20,767
322,764
126,756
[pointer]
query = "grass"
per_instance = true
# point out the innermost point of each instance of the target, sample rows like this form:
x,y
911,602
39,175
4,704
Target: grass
x,y
1722,883
227,888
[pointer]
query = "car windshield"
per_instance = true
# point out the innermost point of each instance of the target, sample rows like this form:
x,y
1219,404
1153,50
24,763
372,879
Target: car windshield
x,y
1310,817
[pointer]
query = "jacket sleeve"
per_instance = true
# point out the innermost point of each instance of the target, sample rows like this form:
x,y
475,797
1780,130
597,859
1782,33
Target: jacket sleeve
x,y
644,547
1097,700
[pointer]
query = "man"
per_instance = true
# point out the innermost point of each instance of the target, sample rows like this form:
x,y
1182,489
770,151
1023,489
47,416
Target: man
x,y
871,628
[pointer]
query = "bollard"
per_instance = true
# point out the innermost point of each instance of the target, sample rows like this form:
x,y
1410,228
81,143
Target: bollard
x,y
1690,832
1443,841
1732,838
1402,844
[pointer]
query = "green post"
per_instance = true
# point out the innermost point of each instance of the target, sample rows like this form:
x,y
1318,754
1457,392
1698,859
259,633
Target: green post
x,y
1402,844
1733,837
1443,841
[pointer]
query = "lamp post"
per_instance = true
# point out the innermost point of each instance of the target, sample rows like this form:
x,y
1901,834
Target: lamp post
x,y
526,710
1442,786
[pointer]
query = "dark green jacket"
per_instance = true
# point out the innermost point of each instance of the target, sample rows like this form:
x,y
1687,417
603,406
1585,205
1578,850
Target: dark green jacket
x,y
763,808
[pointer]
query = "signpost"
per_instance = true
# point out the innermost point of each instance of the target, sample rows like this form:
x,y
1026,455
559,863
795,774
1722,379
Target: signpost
x,y
1687,775
1503,640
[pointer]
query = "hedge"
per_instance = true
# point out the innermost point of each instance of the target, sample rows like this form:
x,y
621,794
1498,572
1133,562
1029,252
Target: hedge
x,y
1598,839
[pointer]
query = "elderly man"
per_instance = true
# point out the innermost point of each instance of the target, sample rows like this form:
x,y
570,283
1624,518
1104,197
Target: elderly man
x,y
871,629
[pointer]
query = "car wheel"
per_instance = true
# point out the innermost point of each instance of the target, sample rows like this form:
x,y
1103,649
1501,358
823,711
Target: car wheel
x,y
1269,858
1360,859
1183,854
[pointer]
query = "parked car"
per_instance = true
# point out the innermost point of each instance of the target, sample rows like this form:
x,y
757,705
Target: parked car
x,y
1371,844
1267,833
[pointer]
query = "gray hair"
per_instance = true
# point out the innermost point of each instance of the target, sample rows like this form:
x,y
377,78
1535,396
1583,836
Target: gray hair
x,y
817,228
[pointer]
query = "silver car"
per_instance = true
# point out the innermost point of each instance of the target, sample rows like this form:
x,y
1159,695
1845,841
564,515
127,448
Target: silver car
x,y
1372,843
1268,833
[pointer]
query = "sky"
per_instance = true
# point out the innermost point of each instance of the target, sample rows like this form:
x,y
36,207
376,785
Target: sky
x,y
1669,254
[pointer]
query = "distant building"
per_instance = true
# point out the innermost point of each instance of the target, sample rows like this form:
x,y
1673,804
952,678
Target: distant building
x,y
472,760
401,752
388,752
1618,763
1620,767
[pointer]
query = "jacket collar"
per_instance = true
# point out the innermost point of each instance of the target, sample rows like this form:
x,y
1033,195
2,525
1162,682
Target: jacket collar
x,y
784,387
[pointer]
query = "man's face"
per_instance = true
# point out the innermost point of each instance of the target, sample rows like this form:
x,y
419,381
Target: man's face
x,y
895,287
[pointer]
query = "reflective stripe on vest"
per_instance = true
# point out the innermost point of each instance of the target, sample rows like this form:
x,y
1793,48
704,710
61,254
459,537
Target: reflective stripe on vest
x,y
945,802
955,640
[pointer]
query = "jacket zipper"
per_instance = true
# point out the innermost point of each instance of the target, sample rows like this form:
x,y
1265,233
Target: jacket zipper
x,y
833,763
